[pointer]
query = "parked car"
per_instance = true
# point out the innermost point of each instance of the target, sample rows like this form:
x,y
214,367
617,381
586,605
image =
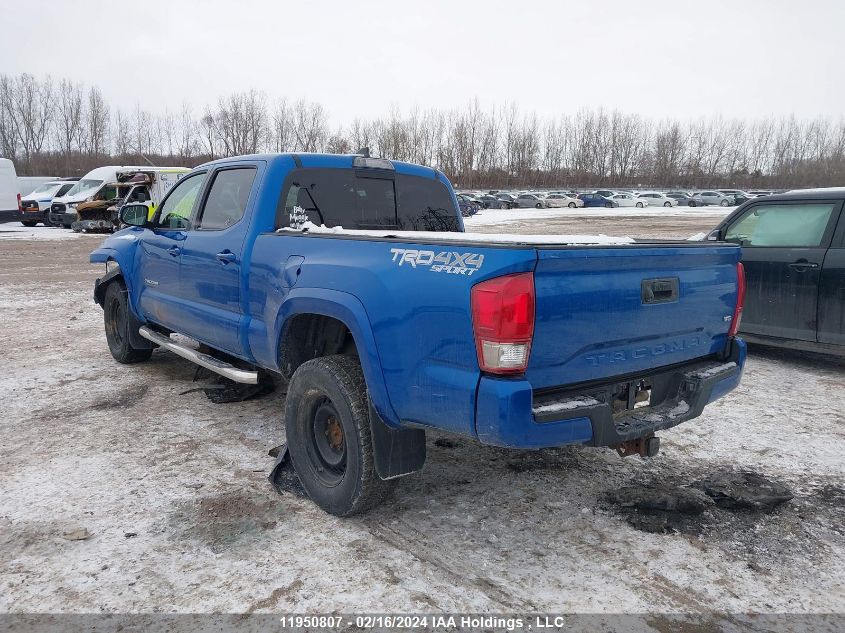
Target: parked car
x,y
468,206
760,192
558,200
712,197
508,198
656,199
629,200
548,343
597,200
793,251
35,206
492,202
527,200
738,196
607,193
683,199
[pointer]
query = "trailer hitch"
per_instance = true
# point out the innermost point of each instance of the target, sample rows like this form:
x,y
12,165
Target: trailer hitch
x,y
647,446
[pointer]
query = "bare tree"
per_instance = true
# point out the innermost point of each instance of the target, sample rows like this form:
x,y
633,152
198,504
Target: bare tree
x,y
68,120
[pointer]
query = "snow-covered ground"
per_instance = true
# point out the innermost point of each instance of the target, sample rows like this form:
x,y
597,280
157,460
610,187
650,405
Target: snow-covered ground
x,y
172,490
17,231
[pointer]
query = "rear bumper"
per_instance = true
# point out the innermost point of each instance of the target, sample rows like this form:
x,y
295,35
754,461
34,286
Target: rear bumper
x,y
509,414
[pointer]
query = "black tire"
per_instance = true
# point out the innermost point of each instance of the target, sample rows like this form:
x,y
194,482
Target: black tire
x,y
116,323
28,223
639,205
724,203
608,205
572,205
667,204
691,203
327,421
539,205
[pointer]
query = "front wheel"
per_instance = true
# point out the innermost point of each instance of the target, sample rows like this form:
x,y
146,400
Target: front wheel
x,y
572,205
667,204
639,205
327,421
539,205
608,205
724,203
691,203
116,320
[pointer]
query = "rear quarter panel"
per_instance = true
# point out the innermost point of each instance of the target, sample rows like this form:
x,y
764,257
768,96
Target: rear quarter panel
x,y
420,317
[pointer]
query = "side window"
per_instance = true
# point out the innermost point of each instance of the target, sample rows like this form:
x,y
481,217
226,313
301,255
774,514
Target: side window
x,y
794,225
175,211
227,198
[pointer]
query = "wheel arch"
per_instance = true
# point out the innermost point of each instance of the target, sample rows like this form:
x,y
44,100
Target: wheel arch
x,y
347,310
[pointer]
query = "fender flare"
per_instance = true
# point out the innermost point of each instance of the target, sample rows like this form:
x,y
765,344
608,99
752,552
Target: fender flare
x,y
103,255
349,310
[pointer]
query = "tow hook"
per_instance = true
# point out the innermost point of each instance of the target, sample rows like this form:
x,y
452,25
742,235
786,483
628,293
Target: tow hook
x,y
647,446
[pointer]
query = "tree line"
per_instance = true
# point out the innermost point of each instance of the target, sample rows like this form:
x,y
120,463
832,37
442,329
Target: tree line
x,y
65,128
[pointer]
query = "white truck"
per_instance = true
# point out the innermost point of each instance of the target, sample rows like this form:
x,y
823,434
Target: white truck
x,y
102,191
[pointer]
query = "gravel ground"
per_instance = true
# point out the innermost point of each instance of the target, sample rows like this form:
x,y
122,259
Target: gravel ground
x,y
173,492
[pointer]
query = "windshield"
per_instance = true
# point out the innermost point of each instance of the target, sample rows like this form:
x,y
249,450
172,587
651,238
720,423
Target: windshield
x,y
84,186
49,187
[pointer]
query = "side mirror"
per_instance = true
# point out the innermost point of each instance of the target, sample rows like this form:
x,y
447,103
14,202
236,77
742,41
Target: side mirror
x,y
134,214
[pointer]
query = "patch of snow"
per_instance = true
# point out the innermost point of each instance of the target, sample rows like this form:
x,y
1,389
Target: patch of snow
x,y
565,405
712,371
446,236
697,237
505,216
679,409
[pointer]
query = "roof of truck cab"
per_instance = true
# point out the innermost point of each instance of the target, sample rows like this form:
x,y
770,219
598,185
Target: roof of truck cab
x,y
825,193
309,159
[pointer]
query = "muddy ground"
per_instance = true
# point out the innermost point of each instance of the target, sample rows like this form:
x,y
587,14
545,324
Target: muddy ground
x,y
173,490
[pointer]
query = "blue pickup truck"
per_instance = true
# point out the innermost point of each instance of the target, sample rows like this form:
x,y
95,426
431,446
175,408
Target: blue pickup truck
x,y
351,277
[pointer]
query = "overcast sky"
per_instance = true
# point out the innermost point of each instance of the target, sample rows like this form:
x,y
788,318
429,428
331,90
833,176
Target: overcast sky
x,y
676,58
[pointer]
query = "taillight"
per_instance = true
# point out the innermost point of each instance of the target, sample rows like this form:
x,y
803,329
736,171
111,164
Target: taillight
x,y
503,322
20,206
740,299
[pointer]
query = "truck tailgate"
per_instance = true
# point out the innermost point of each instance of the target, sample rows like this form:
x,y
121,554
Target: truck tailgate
x,y
612,311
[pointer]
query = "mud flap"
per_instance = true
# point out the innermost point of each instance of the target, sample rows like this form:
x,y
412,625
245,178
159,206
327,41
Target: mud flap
x,y
396,452
283,477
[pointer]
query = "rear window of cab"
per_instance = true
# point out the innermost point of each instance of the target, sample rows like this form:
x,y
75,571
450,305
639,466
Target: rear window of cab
x,y
363,199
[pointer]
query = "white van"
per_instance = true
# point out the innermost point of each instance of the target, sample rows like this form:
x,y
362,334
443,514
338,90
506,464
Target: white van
x,y
36,205
10,195
63,209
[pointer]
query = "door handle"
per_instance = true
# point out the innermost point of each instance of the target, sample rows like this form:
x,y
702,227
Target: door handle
x,y
174,251
802,266
226,257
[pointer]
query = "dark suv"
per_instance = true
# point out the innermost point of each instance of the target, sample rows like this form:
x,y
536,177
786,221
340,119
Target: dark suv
x,y
793,250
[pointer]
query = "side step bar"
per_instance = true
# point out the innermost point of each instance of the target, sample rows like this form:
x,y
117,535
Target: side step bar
x,y
204,360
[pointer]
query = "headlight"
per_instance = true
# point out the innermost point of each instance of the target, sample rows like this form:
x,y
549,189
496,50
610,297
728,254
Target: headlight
x,y
72,205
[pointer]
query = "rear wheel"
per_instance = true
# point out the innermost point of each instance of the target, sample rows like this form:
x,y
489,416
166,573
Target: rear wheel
x,y
572,205
724,203
608,205
692,203
115,318
639,205
539,205
327,421
667,204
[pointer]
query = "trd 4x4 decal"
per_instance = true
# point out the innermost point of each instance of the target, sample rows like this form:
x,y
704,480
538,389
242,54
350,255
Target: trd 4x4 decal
x,y
443,262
